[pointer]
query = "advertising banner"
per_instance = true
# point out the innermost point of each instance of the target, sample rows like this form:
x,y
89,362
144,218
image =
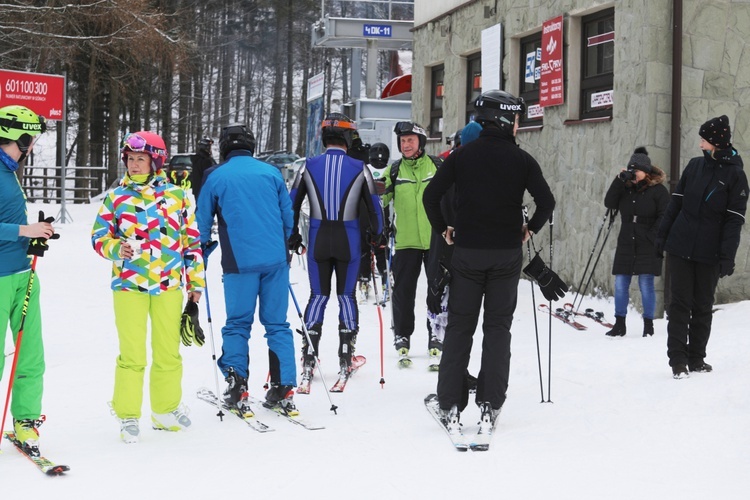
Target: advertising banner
x,y
551,82
41,93
313,142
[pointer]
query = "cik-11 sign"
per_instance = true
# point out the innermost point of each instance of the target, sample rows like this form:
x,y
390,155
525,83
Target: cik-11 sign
x,y
41,93
551,82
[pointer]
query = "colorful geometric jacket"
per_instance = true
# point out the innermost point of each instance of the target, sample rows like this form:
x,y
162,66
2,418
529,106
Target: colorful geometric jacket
x,y
158,219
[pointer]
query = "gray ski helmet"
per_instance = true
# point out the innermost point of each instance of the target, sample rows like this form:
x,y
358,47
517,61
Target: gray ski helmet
x,y
339,128
409,128
499,108
379,155
235,136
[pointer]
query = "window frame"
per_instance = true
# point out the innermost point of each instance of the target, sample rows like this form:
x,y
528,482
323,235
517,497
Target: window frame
x,y
530,97
473,62
436,112
602,81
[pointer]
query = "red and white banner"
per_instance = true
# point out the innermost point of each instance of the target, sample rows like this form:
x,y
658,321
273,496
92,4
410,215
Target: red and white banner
x,y
551,82
41,93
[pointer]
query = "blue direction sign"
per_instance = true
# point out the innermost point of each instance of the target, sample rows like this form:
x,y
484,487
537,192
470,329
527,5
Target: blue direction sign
x,y
380,30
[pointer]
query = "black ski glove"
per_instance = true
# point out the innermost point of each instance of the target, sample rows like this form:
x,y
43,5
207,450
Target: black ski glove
x,y
190,327
208,248
437,289
659,248
726,268
294,244
37,246
550,283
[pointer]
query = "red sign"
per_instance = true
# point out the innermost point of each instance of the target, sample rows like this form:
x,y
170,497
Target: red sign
x,y
551,81
43,94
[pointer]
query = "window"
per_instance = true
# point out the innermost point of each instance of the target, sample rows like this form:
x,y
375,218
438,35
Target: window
x,y
531,63
436,101
473,82
597,64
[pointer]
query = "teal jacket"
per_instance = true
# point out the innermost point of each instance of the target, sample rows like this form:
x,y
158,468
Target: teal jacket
x,y
13,248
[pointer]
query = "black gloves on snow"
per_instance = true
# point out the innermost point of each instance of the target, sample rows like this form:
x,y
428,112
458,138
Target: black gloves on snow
x,y
190,327
553,288
437,289
294,244
37,246
726,268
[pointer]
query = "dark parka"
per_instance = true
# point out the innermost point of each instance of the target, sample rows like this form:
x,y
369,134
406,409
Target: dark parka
x,y
642,206
707,210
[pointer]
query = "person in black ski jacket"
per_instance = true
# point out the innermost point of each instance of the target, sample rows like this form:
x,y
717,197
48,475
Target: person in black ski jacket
x,y
491,176
201,161
700,233
638,193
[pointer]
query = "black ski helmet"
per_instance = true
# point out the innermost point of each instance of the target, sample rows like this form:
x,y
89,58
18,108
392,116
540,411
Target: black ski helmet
x,y
204,144
235,136
410,128
379,155
499,108
339,128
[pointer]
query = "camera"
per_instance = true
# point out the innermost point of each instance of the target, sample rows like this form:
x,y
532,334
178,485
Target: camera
x,y
627,175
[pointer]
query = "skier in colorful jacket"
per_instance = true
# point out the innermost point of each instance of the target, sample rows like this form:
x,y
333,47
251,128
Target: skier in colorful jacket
x,y
146,227
19,129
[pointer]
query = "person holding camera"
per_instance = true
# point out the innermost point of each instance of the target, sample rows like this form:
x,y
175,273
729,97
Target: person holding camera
x,y
700,233
638,193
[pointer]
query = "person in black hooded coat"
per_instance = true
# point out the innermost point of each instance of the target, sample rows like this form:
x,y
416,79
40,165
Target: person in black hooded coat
x,y
700,233
638,193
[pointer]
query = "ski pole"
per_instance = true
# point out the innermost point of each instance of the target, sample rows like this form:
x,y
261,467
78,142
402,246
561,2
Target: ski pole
x,y
380,313
311,349
591,256
18,342
213,350
533,305
388,267
549,346
613,215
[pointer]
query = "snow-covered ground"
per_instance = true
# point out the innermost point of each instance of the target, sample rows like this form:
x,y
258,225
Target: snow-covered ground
x,y
618,425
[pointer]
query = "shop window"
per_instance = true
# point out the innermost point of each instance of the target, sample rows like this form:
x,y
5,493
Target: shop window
x,y
531,65
597,64
436,101
473,83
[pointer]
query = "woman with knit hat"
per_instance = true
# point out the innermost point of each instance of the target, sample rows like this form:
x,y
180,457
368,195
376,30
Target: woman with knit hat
x,y
638,193
700,233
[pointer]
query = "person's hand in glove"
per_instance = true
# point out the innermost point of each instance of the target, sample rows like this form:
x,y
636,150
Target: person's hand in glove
x,y
659,248
39,234
294,244
726,268
553,288
376,241
207,248
190,328
437,289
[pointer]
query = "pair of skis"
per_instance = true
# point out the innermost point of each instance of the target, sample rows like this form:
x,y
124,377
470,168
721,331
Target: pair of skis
x,y
251,418
405,361
43,464
567,315
307,376
479,441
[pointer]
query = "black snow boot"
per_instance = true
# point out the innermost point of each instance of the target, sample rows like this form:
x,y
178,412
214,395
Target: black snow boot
x,y
619,329
648,327
347,341
314,332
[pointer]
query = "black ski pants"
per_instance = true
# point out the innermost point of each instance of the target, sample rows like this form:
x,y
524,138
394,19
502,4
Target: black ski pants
x,y
690,309
407,266
489,275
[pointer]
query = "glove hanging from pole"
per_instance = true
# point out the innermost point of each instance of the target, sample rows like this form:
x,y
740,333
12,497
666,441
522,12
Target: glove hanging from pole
x,y
553,288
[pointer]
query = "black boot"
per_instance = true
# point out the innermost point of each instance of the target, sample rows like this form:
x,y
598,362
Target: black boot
x,y
648,327
347,341
314,332
619,329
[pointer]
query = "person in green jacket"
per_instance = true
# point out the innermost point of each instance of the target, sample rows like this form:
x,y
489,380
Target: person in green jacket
x,y
405,182
19,129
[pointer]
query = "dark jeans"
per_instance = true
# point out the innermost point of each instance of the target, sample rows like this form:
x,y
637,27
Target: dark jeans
x,y
690,309
492,276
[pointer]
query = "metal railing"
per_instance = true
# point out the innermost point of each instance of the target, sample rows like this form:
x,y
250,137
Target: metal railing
x,y
43,184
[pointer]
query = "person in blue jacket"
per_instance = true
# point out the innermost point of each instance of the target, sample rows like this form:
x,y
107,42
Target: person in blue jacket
x,y
254,213
334,184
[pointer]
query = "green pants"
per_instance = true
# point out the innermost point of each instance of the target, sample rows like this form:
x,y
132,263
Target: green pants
x,y
28,385
132,310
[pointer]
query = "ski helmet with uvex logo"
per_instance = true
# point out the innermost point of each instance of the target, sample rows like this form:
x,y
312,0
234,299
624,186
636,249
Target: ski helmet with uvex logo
x,y
499,108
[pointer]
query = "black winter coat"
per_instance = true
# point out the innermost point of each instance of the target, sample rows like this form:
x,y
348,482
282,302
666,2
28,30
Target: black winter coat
x,y
707,210
641,207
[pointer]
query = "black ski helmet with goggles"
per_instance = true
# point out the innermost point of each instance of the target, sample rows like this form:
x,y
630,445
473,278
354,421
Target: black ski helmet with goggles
x,y
236,136
410,128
